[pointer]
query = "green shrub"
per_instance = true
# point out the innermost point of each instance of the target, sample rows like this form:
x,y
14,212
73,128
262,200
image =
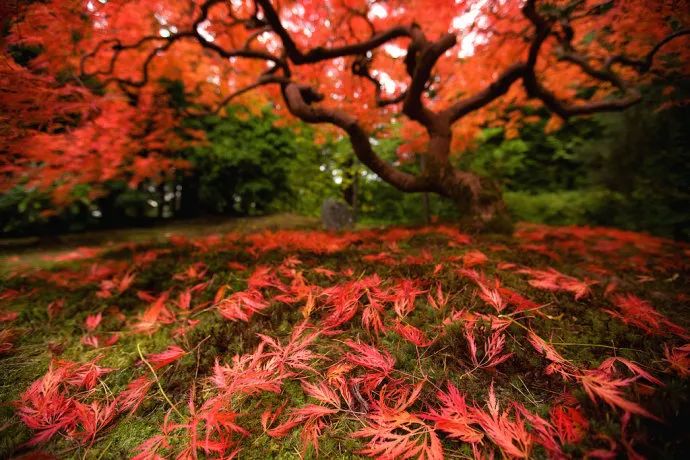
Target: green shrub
x,y
567,207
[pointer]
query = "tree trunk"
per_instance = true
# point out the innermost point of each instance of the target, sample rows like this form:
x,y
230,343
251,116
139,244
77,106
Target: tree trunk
x,y
189,199
479,200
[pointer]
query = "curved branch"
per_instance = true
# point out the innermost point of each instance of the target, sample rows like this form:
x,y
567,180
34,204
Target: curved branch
x,y
87,56
564,109
145,67
263,81
429,53
542,30
255,35
505,80
605,74
298,99
362,15
245,52
496,89
645,64
118,48
241,53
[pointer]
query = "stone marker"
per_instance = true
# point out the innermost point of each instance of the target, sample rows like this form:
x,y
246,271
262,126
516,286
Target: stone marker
x,y
336,215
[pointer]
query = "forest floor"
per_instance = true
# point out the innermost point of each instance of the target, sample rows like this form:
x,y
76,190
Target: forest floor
x,y
554,342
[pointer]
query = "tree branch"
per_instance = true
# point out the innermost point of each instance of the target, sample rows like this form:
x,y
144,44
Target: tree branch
x,y
322,54
496,89
145,67
564,109
429,53
263,81
645,64
118,48
298,99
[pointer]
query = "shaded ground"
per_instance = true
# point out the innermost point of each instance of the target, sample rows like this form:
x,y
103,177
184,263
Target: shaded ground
x,y
36,250
557,342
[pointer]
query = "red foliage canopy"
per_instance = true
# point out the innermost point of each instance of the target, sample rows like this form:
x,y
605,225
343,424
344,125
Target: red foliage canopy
x,y
87,108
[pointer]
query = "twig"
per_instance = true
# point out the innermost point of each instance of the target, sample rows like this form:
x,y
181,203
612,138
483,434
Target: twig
x,y
597,345
158,382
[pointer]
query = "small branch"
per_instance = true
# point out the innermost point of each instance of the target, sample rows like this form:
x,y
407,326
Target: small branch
x,y
360,67
155,376
261,82
496,89
565,109
254,35
630,96
644,64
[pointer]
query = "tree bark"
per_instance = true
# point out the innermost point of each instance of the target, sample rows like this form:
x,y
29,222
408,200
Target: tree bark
x,y
480,203
478,199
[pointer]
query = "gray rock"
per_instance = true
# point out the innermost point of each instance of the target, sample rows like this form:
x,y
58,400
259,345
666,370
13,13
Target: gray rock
x,y
336,215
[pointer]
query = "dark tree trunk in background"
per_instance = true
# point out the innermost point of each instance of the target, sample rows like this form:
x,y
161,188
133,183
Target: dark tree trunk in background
x,y
189,199
425,195
351,176
160,188
349,190
112,214
355,191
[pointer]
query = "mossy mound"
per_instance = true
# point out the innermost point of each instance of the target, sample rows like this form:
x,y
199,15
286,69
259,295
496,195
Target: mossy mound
x,y
261,331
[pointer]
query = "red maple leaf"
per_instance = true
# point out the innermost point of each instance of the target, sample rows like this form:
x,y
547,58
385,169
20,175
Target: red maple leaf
x,y
412,334
455,416
170,355
394,432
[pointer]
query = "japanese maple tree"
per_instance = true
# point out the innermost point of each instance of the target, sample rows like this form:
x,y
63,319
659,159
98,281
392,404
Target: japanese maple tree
x,y
89,106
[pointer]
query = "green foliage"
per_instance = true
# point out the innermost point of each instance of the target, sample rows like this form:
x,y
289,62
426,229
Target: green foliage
x,y
536,160
244,167
311,174
27,210
628,170
20,208
647,160
565,207
252,166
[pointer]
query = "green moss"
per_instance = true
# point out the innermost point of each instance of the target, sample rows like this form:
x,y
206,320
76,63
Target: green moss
x,y
580,330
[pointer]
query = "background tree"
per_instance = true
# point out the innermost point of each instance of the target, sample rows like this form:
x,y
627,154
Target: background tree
x,y
87,106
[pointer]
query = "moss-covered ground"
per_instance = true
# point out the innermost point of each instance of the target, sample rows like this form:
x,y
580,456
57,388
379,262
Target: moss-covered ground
x,y
584,312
